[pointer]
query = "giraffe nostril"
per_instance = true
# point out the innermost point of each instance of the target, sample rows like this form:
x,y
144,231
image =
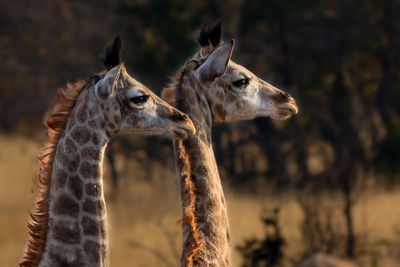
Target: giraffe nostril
x,y
179,117
285,95
281,97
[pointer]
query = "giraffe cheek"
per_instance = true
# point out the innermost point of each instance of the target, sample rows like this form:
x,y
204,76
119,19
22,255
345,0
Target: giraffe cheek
x,y
220,96
240,108
220,112
129,122
117,120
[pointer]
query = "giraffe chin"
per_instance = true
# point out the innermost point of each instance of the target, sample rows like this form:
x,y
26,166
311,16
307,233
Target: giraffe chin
x,y
284,113
183,131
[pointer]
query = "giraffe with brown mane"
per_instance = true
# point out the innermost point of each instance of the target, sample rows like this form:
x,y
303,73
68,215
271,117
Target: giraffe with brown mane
x,y
68,225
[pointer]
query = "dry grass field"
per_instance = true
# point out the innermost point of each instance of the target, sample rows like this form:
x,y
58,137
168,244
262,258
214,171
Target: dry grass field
x,y
144,218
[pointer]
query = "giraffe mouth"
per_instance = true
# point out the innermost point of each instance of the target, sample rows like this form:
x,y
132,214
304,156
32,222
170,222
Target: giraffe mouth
x,y
285,111
184,130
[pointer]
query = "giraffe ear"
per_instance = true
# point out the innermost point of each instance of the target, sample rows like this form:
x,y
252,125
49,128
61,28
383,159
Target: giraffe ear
x,y
216,64
106,86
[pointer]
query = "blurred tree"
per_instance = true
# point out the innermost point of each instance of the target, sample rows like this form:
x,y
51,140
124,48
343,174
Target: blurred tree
x,y
268,251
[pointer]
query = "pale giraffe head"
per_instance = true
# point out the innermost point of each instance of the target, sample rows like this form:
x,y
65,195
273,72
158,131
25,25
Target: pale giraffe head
x,y
130,107
232,91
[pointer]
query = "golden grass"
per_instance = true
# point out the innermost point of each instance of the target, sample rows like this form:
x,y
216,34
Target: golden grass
x,y
147,213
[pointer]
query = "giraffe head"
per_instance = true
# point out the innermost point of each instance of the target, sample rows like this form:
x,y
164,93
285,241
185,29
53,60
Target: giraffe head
x,y
232,91
130,107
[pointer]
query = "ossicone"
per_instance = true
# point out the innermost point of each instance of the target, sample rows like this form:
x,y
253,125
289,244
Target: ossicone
x,y
210,34
111,57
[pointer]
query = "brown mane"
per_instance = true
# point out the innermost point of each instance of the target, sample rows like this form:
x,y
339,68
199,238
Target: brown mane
x,y
170,95
189,211
55,123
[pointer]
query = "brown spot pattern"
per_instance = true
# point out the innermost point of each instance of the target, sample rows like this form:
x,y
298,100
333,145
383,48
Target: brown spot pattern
x,y
201,170
91,112
82,114
60,178
75,186
92,124
109,133
117,119
69,146
95,139
200,184
81,135
73,165
88,170
90,226
92,207
220,95
67,232
58,258
112,126
90,153
92,190
220,111
239,106
65,205
92,250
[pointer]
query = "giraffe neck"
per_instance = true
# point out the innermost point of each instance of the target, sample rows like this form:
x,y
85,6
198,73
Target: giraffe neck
x,y
206,240
77,215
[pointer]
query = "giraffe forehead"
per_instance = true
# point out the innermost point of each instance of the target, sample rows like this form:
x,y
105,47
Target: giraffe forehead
x,y
132,81
237,71
128,82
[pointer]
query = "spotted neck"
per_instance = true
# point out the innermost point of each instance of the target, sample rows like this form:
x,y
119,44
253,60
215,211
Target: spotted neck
x,y
77,231
206,240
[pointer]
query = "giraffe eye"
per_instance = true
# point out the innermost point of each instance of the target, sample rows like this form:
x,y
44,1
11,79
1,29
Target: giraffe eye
x,y
241,83
139,100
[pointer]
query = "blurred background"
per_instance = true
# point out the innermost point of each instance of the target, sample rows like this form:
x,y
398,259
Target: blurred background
x,y
325,181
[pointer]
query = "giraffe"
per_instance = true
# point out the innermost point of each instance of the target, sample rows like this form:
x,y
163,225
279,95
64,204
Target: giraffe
x,y
68,225
212,89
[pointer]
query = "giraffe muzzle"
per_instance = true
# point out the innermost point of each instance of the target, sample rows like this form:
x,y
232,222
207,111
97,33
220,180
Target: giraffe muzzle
x,y
184,127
